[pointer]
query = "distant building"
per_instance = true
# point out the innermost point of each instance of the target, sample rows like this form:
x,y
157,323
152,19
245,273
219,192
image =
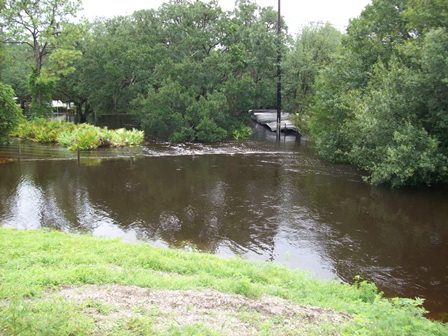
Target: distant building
x,y
61,110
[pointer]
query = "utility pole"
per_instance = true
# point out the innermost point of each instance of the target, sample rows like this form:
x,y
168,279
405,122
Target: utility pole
x,y
279,72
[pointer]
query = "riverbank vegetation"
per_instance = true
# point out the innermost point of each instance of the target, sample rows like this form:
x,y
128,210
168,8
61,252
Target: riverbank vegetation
x,y
189,70
374,97
36,266
74,137
9,111
382,103
311,52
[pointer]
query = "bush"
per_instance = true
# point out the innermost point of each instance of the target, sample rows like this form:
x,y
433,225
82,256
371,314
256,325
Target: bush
x,y
121,137
387,136
413,157
82,137
42,130
174,113
9,111
242,133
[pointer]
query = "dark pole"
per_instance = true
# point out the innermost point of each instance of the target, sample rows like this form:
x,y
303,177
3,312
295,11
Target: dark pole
x,y
279,72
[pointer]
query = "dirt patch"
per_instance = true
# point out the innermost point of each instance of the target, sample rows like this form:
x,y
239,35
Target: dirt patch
x,y
223,313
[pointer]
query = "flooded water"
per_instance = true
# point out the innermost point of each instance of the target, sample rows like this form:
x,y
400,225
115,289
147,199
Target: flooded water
x,y
256,199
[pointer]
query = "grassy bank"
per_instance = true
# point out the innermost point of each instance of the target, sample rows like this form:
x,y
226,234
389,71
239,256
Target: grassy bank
x,y
74,137
34,265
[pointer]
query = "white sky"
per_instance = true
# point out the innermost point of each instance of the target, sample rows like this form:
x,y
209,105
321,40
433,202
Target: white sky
x,y
296,12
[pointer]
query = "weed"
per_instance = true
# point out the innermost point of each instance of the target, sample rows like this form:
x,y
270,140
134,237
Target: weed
x,y
49,317
196,329
136,326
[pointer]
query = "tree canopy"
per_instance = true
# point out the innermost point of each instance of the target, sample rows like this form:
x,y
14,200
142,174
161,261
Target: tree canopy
x,y
375,97
311,52
43,26
9,111
189,70
382,103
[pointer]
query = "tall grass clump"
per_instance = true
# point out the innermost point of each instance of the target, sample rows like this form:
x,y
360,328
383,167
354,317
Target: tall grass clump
x,y
74,137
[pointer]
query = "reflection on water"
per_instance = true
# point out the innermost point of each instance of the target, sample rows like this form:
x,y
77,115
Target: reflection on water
x,y
256,199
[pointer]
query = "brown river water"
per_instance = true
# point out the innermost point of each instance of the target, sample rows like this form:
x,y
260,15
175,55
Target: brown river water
x,y
257,199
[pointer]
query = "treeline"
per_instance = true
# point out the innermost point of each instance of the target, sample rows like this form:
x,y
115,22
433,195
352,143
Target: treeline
x,y
375,97
382,103
189,70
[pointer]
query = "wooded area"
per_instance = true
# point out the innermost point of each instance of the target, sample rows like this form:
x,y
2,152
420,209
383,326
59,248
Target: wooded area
x,y
375,97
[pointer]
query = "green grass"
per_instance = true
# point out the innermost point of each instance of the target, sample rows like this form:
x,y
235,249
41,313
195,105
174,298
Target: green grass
x,y
74,137
32,263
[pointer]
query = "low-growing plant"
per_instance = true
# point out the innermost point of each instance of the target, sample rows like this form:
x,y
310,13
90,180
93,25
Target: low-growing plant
x,y
242,133
41,130
196,329
133,326
47,317
121,137
74,137
32,263
85,137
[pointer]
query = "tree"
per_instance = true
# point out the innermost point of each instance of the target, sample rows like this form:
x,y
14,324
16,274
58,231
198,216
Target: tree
x,y
43,26
312,51
9,111
188,69
188,80
381,104
15,69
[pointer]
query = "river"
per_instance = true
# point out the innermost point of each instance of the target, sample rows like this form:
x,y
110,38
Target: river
x,y
257,199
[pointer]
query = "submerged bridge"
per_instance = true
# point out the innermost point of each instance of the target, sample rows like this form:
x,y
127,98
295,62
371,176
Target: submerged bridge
x,y
269,119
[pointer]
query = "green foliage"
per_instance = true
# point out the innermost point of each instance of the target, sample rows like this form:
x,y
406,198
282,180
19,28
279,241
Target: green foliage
x,y
33,262
190,70
49,317
382,103
44,28
161,113
41,130
133,326
218,64
172,113
15,69
191,330
368,291
9,111
411,158
82,136
423,16
122,137
242,133
210,119
41,88
312,51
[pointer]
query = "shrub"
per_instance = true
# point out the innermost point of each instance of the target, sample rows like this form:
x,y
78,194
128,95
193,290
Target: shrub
x,y
9,111
82,137
177,114
42,130
121,137
242,133
85,137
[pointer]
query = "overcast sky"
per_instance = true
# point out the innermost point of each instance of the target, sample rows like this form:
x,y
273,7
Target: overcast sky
x,y
296,12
